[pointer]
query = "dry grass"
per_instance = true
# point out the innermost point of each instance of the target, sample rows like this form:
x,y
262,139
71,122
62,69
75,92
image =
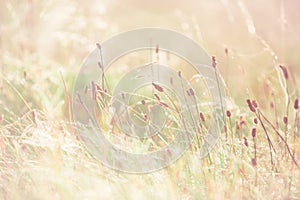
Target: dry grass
x,y
42,45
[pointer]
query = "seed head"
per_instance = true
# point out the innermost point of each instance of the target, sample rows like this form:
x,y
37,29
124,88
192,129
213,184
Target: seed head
x,y
285,120
100,65
296,104
145,117
188,93
228,113
123,95
251,107
157,49
226,51
179,74
191,91
214,62
254,103
246,142
202,118
157,97
284,71
255,120
242,122
248,101
25,75
157,87
163,104
98,45
254,132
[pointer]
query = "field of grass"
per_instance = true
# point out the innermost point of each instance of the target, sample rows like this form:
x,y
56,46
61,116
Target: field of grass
x,y
257,47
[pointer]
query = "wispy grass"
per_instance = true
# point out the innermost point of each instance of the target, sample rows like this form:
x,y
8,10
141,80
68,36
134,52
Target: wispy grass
x,y
42,45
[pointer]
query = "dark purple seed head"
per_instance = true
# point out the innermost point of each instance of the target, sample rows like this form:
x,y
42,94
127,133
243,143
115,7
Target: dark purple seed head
x,y
285,120
296,104
202,118
253,132
255,120
228,113
284,71
246,142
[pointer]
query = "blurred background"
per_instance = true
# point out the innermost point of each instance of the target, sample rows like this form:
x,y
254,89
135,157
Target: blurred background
x,y
39,40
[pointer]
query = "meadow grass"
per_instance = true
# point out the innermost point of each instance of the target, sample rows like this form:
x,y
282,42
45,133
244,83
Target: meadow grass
x,y
42,45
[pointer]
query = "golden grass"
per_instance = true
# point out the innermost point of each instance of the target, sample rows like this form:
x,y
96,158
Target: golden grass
x,y
42,45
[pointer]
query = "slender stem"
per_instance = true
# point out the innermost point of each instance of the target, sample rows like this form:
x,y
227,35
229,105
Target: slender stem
x,y
267,135
220,95
296,127
281,137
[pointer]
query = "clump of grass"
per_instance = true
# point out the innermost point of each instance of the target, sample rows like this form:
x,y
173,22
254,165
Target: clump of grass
x,y
42,158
